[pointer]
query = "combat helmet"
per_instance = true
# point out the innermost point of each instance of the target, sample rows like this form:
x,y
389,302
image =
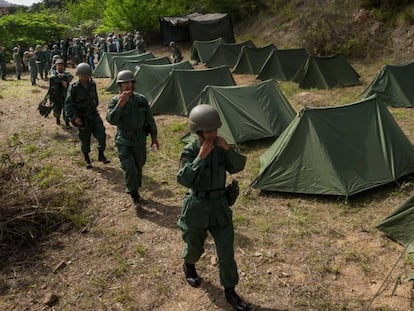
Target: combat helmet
x,y
125,76
203,118
83,69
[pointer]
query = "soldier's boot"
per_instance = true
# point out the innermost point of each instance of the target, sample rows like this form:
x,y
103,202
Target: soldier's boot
x,y
67,125
102,158
57,121
236,302
136,200
87,161
191,275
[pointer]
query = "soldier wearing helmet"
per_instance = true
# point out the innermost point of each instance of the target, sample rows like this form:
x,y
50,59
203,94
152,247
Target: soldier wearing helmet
x,y
177,55
17,60
130,112
203,167
41,61
81,108
58,85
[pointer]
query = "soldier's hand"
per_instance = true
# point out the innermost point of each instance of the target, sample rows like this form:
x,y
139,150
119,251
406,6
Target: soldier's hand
x,y
205,148
222,143
64,84
123,98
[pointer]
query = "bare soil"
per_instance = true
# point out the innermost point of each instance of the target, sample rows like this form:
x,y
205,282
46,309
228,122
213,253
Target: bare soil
x,y
294,252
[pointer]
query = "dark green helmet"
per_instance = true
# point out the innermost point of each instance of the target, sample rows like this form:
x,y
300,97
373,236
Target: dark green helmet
x,y
125,76
203,118
83,69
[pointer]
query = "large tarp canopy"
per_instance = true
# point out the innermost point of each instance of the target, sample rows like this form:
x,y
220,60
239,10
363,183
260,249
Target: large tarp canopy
x,y
249,112
196,26
104,67
326,73
211,26
175,95
149,77
252,59
394,85
337,151
227,54
201,51
175,28
282,65
118,61
134,66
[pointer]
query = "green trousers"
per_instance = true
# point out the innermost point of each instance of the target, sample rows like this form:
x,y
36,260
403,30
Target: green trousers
x,y
194,239
95,127
132,160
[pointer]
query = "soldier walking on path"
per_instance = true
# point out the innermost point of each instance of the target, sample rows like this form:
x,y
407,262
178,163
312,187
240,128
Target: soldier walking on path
x,y
58,87
17,60
203,167
81,108
177,55
130,112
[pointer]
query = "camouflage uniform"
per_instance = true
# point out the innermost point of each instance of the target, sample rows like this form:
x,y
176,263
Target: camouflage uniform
x,y
17,60
58,92
2,64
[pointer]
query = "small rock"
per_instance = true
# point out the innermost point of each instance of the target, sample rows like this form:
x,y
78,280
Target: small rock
x,y
257,254
50,299
59,266
269,271
214,260
285,274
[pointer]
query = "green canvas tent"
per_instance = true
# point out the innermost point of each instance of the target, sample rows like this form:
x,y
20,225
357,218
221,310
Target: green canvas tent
x,y
133,66
394,85
104,66
399,225
251,59
149,77
282,65
117,61
211,26
326,73
175,28
175,95
227,54
337,151
249,112
201,51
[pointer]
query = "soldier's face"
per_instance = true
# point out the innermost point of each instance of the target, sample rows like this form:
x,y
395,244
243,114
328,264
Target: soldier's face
x,y
127,86
209,135
60,67
84,79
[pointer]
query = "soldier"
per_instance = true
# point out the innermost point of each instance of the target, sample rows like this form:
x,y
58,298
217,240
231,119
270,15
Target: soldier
x,y
41,61
81,108
54,52
111,47
64,51
130,112
17,60
129,42
2,64
177,55
31,60
139,42
58,86
77,51
90,55
203,167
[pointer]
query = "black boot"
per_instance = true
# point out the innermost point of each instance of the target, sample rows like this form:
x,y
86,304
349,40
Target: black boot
x,y
102,158
57,121
87,160
136,200
236,302
191,274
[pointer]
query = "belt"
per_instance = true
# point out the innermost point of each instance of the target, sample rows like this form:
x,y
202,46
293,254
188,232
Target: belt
x,y
212,194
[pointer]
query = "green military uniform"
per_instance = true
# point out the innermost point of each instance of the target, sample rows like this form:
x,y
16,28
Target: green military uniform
x,y
32,68
2,64
17,60
131,135
58,92
205,206
82,101
41,61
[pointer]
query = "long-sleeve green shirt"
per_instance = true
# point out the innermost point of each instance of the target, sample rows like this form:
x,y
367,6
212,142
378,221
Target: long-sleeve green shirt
x,y
82,100
131,119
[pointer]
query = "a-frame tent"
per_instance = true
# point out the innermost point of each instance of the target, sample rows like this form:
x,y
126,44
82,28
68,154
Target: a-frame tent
x,y
252,59
117,61
337,151
282,64
326,73
134,66
249,112
149,77
104,66
227,54
176,94
394,85
201,51
399,225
